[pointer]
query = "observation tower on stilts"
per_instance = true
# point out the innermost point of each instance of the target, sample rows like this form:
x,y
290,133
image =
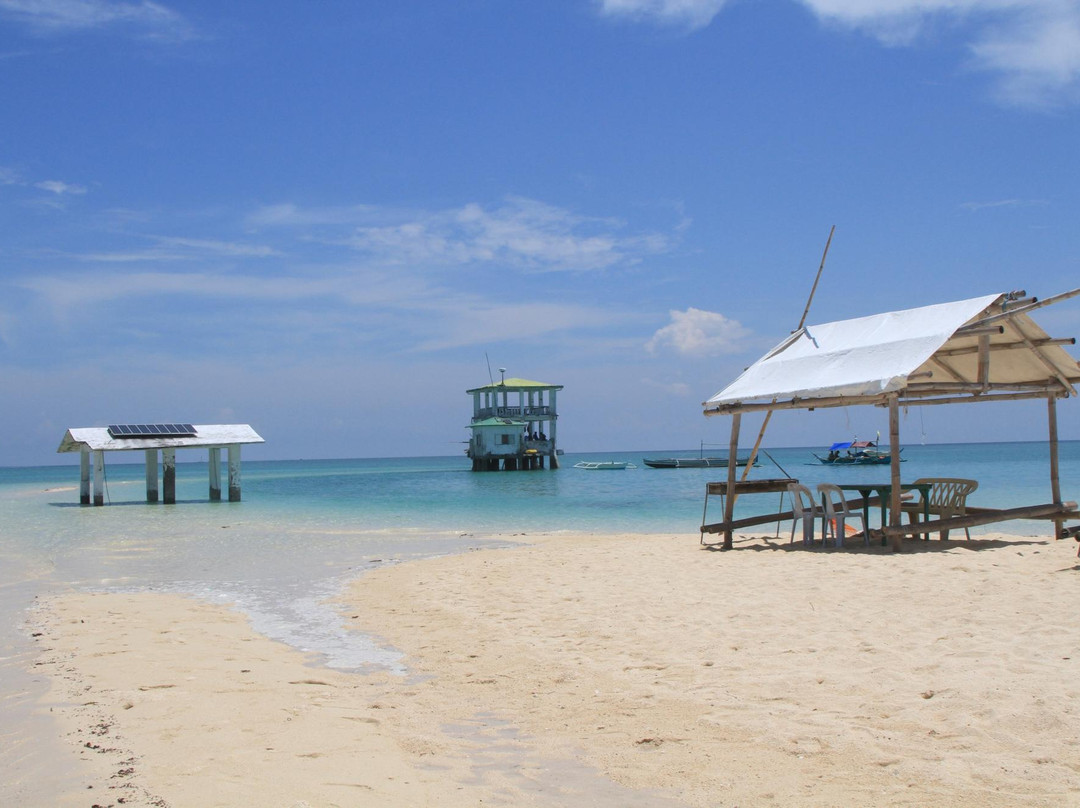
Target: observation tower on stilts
x,y
513,425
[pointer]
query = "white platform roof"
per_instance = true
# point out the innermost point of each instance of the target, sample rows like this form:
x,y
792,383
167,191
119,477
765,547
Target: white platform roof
x,y
974,348
97,438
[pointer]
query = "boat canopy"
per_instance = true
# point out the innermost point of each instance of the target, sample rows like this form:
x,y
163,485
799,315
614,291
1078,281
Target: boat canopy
x,y
852,444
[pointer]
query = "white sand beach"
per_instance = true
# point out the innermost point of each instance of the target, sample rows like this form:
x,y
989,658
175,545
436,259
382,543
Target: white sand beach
x,y
615,670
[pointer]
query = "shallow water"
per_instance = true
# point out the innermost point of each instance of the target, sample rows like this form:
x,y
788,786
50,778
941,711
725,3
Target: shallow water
x,y
306,527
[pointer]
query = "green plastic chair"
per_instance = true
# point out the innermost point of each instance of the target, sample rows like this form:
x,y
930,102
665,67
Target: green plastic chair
x,y
947,497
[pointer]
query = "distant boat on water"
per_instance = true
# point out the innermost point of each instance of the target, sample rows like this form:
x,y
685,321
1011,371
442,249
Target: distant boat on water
x,y
604,465
856,453
699,462
692,462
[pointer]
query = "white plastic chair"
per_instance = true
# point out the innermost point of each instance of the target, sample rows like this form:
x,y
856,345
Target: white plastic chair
x,y
838,514
948,498
805,508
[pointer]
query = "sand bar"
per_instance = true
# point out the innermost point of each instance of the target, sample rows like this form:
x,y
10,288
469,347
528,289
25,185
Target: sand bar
x,y
601,670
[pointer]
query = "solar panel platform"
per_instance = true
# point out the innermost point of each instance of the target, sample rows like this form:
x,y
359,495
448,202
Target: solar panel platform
x,y
151,430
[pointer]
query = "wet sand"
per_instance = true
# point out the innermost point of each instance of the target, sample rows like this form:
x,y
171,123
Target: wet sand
x,y
604,670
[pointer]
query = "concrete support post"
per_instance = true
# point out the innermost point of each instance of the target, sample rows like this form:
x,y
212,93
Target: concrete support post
x,y
168,473
215,473
99,477
552,417
84,477
151,475
234,472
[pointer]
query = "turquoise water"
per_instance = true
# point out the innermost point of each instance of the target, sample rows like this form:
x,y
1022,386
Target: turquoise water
x,y
306,527
440,494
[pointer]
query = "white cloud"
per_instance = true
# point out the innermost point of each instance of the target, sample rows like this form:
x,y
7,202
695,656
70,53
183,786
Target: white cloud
x,y
68,290
354,273
691,13
59,16
1004,203
699,333
464,321
1038,56
173,248
289,215
1033,46
212,246
521,234
59,188
680,389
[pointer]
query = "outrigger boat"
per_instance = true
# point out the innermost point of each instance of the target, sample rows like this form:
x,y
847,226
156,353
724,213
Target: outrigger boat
x,y
604,465
692,462
855,453
699,462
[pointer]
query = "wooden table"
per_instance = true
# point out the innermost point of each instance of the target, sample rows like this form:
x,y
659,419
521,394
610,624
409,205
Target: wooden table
x,y
768,486
884,492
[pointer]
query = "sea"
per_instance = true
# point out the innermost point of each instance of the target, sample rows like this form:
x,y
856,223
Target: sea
x,y
305,527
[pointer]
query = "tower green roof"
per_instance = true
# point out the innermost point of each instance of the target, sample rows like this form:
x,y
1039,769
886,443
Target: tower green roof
x,y
514,385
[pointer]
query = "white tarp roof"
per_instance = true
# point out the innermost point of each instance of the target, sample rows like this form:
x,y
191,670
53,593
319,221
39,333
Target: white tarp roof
x,y
96,438
869,356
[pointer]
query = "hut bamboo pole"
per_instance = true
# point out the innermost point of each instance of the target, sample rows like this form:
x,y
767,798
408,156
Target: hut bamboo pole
x,y
1064,510
934,388
1054,370
729,500
894,469
968,399
821,266
1055,480
1005,346
921,397
984,361
949,369
1046,301
757,445
782,516
802,322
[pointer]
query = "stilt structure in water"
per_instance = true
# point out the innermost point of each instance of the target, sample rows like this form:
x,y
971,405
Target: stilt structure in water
x,y
93,442
513,433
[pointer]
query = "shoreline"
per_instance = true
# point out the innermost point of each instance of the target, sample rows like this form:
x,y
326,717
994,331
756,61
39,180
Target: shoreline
x,y
623,669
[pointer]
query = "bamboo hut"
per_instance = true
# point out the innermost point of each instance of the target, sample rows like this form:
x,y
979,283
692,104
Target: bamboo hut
x,y
984,349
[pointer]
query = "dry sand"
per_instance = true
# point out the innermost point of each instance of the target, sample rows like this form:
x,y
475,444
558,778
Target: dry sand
x,y
600,670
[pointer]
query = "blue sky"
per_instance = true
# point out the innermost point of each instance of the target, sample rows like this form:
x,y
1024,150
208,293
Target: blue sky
x,y
325,219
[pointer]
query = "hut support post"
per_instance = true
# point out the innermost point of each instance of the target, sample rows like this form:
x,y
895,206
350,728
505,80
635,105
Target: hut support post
x,y
99,477
168,474
151,475
729,501
894,469
214,466
1055,480
234,472
84,477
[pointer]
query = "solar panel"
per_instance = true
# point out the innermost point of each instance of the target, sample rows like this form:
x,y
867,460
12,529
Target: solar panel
x,y
151,430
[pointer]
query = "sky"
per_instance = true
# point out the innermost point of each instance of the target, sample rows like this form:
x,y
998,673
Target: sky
x,y
329,220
